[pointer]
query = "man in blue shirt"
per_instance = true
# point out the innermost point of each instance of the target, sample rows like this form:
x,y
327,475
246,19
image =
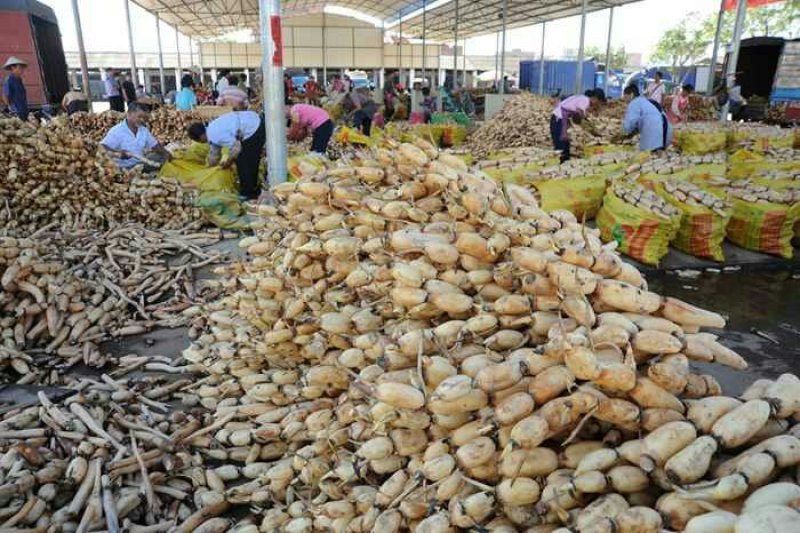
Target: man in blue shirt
x,y
649,119
13,88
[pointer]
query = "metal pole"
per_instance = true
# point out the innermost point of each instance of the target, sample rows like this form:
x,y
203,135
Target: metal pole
x,y
191,53
178,50
579,67
272,69
464,65
130,41
715,49
608,48
455,50
496,59
160,53
733,56
325,56
82,51
400,55
424,40
541,61
503,49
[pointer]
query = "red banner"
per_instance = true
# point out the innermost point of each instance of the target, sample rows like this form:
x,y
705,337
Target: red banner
x,y
730,5
277,41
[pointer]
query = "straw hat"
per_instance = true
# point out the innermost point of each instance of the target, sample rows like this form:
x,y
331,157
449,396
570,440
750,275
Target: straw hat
x,y
13,61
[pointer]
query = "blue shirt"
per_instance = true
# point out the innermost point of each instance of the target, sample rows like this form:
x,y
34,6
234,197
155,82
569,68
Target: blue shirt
x,y
17,97
120,137
644,117
185,100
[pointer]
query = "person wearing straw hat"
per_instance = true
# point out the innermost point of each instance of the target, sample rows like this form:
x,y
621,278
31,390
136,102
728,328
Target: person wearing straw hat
x,y
13,89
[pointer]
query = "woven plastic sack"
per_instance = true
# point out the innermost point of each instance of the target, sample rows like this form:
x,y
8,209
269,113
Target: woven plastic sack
x,y
302,166
701,230
511,175
347,135
596,149
581,196
189,167
224,210
451,135
760,140
639,233
763,227
700,143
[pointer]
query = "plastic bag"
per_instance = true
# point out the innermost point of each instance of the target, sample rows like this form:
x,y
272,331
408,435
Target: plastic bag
x,y
451,134
639,233
763,227
347,135
189,167
583,197
224,210
701,230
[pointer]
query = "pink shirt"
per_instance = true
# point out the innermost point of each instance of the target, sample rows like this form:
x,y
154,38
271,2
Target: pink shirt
x,y
572,105
309,116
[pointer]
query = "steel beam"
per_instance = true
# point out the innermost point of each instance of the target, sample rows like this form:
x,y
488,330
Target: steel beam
x,y
733,56
400,51
325,56
178,51
87,90
715,49
130,43
608,48
272,69
541,61
160,53
455,50
579,66
424,41
503,49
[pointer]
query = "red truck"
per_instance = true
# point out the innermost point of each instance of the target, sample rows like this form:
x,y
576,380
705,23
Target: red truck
x,y
29,31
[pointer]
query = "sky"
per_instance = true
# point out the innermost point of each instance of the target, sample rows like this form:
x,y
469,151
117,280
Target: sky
x,y
637,26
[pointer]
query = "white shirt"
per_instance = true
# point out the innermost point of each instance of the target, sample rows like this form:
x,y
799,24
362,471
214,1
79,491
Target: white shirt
x,y
223,130
222,84
120,138
656,92
111,87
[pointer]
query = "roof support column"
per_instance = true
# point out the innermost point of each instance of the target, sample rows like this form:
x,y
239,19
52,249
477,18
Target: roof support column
x,y
272,68
160,53
496,61
130,40
191,53
541,61
425,41
455,50
464,65
733,56
325,56
579,66
82,51
178,50
503,47
400,51
608,49
715,49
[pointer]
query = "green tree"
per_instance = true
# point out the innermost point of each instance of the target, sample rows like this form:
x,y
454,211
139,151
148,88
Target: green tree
x,y
682,45
619,58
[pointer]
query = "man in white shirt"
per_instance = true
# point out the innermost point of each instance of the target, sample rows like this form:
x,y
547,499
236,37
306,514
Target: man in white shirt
x,y
655,89
112,90
222,82
244,134
129,140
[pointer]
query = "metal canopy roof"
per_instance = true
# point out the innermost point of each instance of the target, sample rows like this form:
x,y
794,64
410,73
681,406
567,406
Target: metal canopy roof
x,y
481,17
213,18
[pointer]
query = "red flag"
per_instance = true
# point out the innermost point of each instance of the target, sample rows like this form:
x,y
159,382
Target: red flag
x,y
730,5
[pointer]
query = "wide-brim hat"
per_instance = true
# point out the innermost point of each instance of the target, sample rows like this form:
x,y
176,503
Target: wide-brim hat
x,y
13,61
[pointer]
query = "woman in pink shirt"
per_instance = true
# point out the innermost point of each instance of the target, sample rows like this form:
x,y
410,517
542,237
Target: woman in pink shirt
x,y
568,110
316,119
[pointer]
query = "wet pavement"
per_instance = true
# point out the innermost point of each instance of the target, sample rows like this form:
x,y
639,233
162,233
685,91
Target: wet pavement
x,y
763,311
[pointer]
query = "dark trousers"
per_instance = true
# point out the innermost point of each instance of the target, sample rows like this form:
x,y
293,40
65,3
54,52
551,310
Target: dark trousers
x,y
249,161
77,105
362,121
321,137
556,125
116,103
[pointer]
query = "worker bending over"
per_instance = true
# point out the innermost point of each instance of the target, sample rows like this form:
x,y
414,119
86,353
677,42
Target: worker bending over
x,y
306,117
572,110
648,118
244,134
130,141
